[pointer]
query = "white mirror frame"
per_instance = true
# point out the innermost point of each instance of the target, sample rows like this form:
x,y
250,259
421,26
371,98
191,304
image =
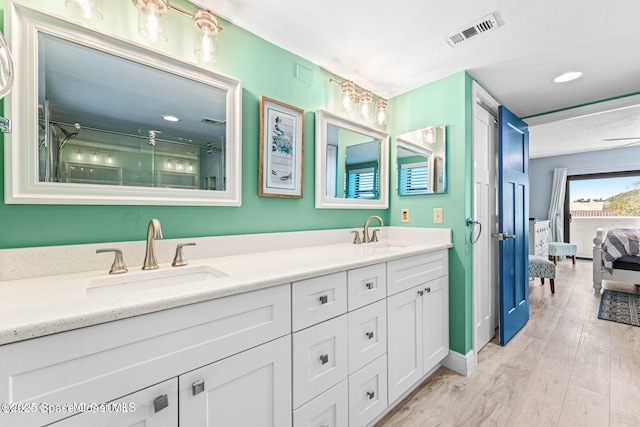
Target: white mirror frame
x,y
323,120
23,23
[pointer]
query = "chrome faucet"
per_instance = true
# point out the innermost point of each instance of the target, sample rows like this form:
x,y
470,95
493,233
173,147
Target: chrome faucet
x,y
154,231
365,237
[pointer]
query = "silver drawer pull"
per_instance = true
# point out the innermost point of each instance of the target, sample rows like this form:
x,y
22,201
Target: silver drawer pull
x,y
197,387
427,290
420,293
369,285
369,334
371,394
324,299
160,402
324,358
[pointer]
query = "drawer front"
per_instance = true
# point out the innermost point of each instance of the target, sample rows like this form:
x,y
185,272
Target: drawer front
x,y
156,406
368,393
318,299
121,357
406,273
330,409
366,285
367,335
319,359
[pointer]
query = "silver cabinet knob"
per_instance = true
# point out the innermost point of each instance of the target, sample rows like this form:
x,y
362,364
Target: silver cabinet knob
x,y
118,265
179,260
371,394
420,293
427,290
160,402
324,358
369,285
369,334
197,387
324,299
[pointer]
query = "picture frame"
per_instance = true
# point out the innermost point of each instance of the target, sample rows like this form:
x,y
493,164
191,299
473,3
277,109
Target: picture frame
x,y
280,168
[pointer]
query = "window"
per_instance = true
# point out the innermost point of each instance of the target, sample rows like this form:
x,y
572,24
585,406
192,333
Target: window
x,y
414,178
362,184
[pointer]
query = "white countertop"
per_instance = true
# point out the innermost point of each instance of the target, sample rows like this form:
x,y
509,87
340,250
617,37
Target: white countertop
x,y
45,305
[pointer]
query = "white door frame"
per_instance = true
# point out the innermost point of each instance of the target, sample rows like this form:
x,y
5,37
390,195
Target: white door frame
x,y
483,99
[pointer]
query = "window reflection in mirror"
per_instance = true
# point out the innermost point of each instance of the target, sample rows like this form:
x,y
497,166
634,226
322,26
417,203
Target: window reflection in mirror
x,y
420,161
352,164
107,120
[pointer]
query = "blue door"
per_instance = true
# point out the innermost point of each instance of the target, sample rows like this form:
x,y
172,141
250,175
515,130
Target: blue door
x,y
513,212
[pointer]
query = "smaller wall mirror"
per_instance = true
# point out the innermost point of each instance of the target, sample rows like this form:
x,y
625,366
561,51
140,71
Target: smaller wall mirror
x,y
421,161
351,164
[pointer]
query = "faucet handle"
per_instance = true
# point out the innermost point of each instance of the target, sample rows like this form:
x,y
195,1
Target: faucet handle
x,y
374,236
118,265
179,260
356,238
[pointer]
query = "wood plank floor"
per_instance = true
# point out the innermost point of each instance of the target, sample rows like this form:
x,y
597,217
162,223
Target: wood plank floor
x,y
566,367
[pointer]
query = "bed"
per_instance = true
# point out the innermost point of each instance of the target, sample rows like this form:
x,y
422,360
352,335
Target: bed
x,y
616,256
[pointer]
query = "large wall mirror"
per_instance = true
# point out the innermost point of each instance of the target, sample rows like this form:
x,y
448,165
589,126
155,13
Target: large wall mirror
x,y
98,120
351,164
421,161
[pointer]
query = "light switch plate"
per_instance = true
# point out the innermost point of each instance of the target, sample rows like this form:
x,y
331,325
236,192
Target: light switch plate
x,y
437,215
405,215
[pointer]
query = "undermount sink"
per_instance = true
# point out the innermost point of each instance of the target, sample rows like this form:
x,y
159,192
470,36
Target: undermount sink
x,y
146,280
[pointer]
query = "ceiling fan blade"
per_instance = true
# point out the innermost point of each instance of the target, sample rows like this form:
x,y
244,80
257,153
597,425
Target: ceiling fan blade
x,y
629,143
620,139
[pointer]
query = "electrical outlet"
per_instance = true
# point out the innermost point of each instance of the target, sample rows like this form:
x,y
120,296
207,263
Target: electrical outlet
x,y
405,215
437,215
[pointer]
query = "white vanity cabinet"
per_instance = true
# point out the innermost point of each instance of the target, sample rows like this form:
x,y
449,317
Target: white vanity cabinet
x,y
417,319
107,361
252,388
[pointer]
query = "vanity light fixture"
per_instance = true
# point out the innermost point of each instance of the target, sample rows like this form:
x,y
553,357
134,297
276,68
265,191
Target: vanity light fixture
x,y
568,76
152,25
352,98
91,10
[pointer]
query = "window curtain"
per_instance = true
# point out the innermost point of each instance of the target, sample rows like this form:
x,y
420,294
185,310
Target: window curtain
x,y
556,207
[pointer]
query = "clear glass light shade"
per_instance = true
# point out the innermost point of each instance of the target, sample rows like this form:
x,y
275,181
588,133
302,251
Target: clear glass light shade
x,y
152,19
381,112
90,10
205,39
348,90
366,106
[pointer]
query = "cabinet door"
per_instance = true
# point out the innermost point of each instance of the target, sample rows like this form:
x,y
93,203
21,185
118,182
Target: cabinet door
x,y
404,340
156,406
252,388
435,309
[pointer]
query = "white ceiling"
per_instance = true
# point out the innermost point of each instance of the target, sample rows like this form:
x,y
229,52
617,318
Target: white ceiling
x,y
394,46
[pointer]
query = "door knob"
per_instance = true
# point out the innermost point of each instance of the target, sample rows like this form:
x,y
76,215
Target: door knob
x,y
504,236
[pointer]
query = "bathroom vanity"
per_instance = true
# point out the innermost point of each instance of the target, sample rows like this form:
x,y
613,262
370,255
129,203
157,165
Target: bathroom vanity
x,y
332,334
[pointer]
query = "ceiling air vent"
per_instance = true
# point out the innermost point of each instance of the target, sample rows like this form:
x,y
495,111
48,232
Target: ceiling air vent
x,y
480,26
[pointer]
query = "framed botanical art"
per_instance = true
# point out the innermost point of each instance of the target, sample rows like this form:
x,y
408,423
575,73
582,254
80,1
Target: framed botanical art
x,y
281,149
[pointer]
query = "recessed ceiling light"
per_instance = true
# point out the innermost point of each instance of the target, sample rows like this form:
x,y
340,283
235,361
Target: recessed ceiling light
x,y
567,77
170,118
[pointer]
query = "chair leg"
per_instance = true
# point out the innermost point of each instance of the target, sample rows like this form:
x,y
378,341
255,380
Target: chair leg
x,y
573,258
555,260
553,286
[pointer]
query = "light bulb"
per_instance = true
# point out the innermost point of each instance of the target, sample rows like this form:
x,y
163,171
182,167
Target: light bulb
x,y
152,19
381,112
348,90
206,36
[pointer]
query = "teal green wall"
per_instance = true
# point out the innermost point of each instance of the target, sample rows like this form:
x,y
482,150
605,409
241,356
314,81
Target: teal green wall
x,y
445,101
264,69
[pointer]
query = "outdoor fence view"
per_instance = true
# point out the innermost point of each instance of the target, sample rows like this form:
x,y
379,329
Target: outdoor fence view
x,y
602,203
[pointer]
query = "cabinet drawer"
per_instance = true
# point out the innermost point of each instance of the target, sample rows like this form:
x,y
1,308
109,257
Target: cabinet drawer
x,y
368,393
366,285
156,406
121,357
318,299
319,359
327,410
408,272
367,334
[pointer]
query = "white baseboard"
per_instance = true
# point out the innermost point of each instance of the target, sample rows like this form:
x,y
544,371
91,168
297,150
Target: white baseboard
x,y
464,364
